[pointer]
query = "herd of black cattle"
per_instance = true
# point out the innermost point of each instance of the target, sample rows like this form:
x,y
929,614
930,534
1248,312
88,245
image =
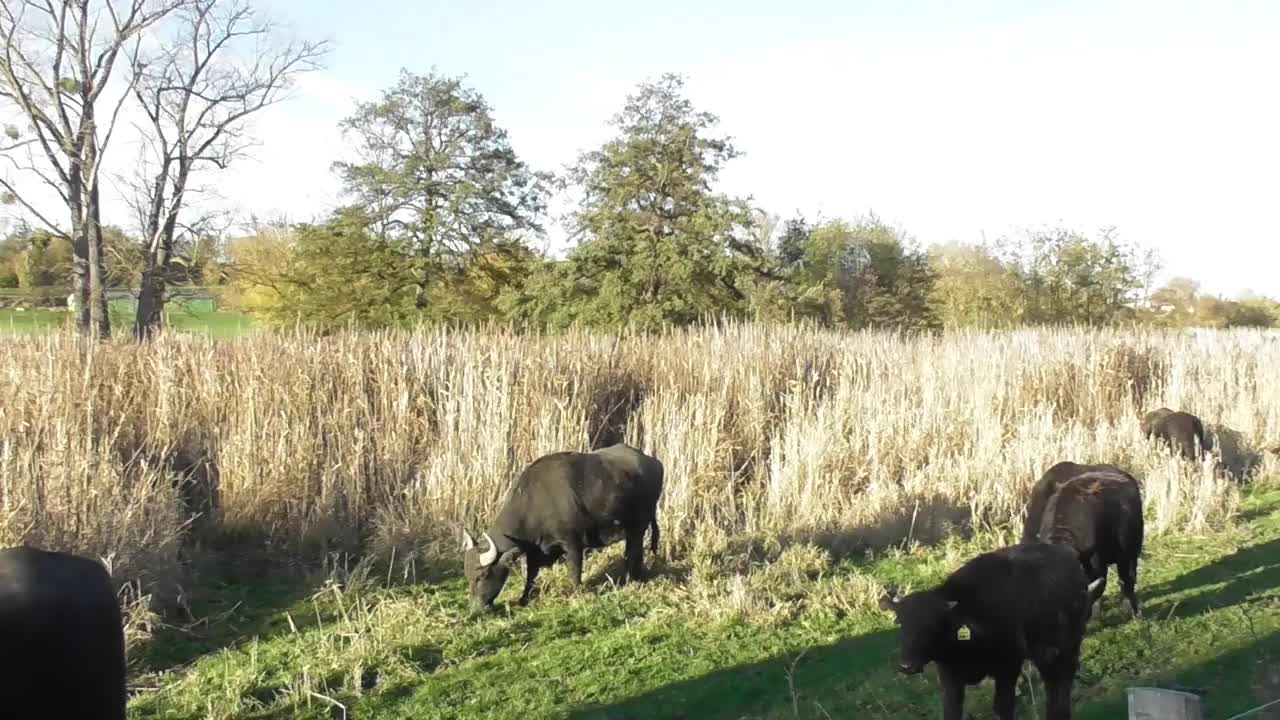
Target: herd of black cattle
x,y
62,649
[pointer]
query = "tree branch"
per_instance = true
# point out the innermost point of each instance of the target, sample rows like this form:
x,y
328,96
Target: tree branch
x,y
52,226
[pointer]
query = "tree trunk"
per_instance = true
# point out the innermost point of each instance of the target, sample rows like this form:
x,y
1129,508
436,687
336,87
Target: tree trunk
x,y
150,300
100,318
80,259
159,251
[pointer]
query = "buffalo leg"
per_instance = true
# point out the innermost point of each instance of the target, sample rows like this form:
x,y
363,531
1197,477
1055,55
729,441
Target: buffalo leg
x,y
1006,698
634,554
1058,677
573,555
1057,688
533,563
1128,571
952,695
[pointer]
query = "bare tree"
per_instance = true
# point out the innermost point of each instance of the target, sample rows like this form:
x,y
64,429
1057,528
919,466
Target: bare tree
x,y
57,58
222,65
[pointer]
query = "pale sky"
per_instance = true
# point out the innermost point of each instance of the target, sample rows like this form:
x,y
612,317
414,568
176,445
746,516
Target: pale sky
x,y
952,120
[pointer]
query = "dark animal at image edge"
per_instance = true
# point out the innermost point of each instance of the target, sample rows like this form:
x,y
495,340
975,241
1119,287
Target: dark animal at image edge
x,y
560,505
1001,608
1096,510
1179,430
61,638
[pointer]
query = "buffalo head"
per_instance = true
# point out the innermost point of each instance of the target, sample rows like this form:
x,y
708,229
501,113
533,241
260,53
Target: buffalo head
x,y
486,570
928,621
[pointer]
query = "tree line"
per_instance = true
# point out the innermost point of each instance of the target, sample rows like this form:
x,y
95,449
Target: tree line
x,y
442,221
443,218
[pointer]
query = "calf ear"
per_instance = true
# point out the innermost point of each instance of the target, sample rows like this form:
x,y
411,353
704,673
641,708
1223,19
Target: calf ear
x,y
890,599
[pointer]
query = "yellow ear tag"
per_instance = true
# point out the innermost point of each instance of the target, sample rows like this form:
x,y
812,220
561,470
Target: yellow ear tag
x,y
963,633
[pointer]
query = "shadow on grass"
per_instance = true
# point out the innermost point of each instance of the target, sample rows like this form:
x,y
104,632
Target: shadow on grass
x,y
604,575
1228,684
1242,574
823,681
242,595
1238,458
853,678
926,521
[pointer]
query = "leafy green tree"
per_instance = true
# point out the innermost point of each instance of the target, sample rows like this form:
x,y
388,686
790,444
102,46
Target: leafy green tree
x,y
1256,311
1219,312
441,210
258,271
42,260
1071,278
441,188
862,274
1176,303
656,244
10,256
341,272
974,287
1252,313
792,243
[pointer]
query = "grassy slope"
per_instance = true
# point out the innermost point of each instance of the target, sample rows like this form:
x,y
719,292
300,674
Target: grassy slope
x,y
220,324
671,650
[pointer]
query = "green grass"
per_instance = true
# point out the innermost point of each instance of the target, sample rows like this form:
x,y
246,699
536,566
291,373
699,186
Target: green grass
x,y
218,324
798,637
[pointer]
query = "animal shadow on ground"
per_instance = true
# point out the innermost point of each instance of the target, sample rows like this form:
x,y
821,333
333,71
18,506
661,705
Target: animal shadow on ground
x,y
597,575
1244,573
926,522
819,682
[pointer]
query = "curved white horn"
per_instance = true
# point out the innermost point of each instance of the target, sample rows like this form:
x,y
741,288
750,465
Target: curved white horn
x,y
488,557
468,542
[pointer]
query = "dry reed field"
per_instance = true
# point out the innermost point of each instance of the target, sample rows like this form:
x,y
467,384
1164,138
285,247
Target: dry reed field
x,y
390,443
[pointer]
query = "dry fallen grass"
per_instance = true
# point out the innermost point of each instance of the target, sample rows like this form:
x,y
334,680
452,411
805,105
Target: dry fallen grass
x,y
774,434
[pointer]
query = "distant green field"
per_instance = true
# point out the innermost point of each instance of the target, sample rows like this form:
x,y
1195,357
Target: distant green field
x,y
183,318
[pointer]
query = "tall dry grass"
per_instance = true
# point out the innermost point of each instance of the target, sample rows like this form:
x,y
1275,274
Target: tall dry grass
x,y
397,440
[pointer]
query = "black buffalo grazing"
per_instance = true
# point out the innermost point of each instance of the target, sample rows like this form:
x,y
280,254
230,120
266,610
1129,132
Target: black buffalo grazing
x,y
61,638
1179,430
1097,510
560,505
1023,602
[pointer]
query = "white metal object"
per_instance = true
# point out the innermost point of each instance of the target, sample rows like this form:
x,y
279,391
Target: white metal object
x,y
1158,704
